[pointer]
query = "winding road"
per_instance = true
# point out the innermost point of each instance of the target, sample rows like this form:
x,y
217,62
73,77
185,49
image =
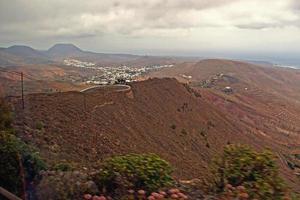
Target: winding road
x,y
115,88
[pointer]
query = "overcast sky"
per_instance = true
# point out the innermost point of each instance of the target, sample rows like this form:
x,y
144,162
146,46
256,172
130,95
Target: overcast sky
x,y
178,27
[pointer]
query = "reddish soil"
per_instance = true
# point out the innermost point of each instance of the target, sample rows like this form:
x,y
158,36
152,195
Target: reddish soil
x,y
42,78
185,126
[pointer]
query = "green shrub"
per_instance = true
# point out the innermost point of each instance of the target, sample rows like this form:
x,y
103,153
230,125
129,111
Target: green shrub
x,y
9,166
257,172
203,133
15,154
39,125
134,171
63,166
5,116
57,185
295,196
183,132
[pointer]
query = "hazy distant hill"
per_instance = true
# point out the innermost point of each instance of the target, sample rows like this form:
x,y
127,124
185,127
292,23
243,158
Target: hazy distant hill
x,y
63,50
59,52
23,51
21,55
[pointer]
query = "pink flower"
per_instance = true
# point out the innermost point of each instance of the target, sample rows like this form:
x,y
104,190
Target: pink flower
x,y
87,196
131,191
174,191
151,198
95,197
102,197
141,192
163,193
181,195
156,195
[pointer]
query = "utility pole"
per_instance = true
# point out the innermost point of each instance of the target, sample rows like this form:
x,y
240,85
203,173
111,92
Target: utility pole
x,y
22,86
84,101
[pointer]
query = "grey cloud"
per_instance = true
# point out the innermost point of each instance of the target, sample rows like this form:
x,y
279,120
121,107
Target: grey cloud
x,y
256,26
56,17
123,21
295,4
265,25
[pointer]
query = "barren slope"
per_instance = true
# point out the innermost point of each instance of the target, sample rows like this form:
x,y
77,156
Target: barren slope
x,y
264,100
160,116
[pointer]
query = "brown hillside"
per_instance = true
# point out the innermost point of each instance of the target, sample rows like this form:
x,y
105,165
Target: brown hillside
x,y
264,100
42,78
158,115
283,82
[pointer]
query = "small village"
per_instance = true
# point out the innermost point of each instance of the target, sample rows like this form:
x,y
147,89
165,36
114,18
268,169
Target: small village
x,y
113,74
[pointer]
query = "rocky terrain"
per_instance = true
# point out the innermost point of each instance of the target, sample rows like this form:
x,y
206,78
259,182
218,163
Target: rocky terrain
x,y
186,126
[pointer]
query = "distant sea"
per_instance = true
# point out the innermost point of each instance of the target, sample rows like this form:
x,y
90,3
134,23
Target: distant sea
x,y
287,66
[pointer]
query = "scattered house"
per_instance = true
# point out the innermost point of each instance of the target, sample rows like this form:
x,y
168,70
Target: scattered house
x,y
104,83
228,90
120,81
186,77
111,74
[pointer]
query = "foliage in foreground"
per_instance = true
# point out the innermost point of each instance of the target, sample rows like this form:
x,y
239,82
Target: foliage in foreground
x,y
5,116
145,173
64,185
173,193
257,172
19,162
134,171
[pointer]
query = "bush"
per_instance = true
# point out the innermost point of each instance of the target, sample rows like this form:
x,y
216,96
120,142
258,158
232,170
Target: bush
x,y
57,185
19,162
5,116
9,166
173,126
257,172
16,155
63,166
133,171
39,125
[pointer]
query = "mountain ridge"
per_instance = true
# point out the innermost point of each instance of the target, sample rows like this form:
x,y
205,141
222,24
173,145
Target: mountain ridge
x,y
20,55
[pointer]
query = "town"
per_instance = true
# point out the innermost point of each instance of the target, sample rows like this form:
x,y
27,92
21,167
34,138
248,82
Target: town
x,y
113,74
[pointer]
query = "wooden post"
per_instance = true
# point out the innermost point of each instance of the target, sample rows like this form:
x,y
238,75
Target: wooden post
x,y
8,195
84,99
22,87
22,176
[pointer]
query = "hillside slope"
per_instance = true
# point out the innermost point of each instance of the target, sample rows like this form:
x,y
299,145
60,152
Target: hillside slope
x,y
281,82
22,55
265,100
159,116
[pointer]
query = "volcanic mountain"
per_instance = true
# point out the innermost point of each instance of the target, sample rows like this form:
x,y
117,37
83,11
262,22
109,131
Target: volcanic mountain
x,y
63,50
19,55
185,124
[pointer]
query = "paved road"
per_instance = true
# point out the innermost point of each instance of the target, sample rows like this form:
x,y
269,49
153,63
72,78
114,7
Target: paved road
x,y
115,88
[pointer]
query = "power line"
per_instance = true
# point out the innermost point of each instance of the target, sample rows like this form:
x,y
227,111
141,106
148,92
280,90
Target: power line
x,y
10,72
28,76
22,83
